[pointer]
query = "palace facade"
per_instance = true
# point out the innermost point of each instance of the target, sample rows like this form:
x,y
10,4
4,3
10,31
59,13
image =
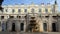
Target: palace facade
x,y
30,18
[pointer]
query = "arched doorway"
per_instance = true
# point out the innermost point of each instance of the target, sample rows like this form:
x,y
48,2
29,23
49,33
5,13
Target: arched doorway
x,y
45,26
13,26
22,26
54,27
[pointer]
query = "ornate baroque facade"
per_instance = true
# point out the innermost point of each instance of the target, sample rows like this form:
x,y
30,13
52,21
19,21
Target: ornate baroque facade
x,y
30,18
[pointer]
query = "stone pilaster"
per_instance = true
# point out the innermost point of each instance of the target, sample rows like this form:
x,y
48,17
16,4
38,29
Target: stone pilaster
x,y
9,26
41,27
25,27
17,26
50,23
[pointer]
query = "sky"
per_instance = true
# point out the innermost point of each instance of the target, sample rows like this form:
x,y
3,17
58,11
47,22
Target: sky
x,y
12,2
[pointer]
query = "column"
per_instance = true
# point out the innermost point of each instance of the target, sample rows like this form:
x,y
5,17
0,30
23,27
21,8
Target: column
x,y
0,26
41,27
50,23
25,27
49,29
58,24
3,26
9,26
17,26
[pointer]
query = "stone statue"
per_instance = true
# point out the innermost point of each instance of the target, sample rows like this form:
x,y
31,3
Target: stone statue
x,y
1,1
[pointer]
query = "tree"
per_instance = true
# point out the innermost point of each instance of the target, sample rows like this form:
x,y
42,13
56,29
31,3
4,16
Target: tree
x,y
1,1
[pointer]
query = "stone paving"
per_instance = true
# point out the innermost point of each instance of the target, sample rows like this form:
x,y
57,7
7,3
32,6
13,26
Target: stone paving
x,y
29,32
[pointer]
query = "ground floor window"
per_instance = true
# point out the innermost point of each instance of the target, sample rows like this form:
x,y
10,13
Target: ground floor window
x,y
45,26
22,26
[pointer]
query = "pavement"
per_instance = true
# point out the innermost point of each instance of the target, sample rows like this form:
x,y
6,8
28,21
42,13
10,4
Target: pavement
x,y
29,32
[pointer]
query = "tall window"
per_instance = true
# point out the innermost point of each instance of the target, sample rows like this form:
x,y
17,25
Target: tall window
x,y
32,10
25,10
39,10
46,10
19,10
6,10
13,10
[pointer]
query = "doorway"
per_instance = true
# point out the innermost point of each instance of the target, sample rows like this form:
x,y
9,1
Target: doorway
x,y
22,26
54,27
13,26
45,26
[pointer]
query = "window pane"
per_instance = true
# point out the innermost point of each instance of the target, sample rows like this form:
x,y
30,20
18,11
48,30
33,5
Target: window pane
x,y
25,10
19,10
46,10
6,10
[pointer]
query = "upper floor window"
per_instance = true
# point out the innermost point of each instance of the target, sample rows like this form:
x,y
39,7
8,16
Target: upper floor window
x,y
6,10
32,10
13,10
46,10
39,10
19,10
25,10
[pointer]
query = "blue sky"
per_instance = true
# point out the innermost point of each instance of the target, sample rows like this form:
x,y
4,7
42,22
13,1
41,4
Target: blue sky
x,y
12,2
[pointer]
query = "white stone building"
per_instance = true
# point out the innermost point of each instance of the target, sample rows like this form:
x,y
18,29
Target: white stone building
x,y
30,18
